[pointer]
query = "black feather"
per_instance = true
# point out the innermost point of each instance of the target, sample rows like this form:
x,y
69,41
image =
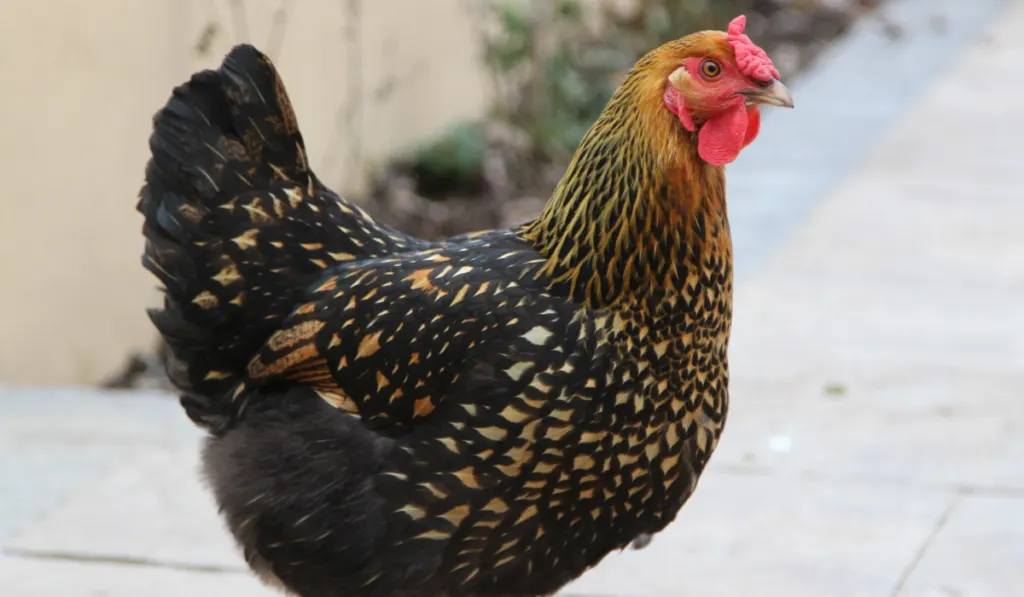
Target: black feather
x,y
486,416
228,196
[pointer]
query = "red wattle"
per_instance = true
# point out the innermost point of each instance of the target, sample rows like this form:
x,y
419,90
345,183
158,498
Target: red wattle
x,y
724,135
753,125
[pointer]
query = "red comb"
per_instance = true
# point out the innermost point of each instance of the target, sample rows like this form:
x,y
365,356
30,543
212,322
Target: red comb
x,y
752,60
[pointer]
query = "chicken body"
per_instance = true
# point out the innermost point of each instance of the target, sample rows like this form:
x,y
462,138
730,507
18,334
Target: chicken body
x,y
559,434
485,416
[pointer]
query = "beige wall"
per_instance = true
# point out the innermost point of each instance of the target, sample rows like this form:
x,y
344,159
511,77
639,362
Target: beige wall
x,y
80,83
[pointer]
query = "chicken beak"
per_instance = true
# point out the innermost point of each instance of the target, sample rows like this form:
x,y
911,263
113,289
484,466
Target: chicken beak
x,y
775,94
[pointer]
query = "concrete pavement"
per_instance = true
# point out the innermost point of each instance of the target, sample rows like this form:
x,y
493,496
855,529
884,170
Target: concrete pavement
x,y
876,440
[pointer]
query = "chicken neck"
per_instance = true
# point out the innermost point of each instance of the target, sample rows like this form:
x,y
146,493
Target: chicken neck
x,y
636,208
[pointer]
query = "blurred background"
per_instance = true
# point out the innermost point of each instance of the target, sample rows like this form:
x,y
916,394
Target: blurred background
x,y
441,117
876,440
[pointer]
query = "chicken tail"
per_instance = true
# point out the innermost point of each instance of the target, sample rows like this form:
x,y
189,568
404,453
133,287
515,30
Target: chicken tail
x,y
237,226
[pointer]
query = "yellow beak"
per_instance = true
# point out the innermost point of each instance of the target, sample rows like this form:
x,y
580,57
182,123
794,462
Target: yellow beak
x,y
775,94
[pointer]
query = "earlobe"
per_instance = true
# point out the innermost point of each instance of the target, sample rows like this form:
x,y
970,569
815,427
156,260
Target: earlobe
x,y
680,78
676,104
685,119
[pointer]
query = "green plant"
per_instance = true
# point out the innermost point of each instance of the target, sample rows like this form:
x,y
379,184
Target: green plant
x,y
556,62
553,65
452,162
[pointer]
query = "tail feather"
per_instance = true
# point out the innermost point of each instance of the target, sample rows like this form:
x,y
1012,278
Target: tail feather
x,y
237,225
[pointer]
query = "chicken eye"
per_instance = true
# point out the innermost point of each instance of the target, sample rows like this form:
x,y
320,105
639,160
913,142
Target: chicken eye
x,y
710,68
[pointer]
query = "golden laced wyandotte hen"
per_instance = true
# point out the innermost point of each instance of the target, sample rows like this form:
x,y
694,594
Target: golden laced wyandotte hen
x,y
489,415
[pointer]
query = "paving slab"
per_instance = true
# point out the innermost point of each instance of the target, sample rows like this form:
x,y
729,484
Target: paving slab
x,y
78,416
152,507
885,337
909,228
22,577
939,199
864,86
154,511
35,478
791,328
978,552
746,535
925,427
54,441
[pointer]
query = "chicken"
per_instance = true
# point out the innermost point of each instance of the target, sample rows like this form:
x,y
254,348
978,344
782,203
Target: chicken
x,y
489,415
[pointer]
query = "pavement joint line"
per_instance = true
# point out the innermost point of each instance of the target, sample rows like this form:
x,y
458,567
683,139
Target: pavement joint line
x,y
780,273
940,524
92,439
959,489
32,554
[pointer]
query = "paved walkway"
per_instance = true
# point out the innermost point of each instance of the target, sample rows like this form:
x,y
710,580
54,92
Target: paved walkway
x,y
876,442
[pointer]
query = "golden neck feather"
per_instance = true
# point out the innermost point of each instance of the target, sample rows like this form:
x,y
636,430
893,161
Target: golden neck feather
x,y
636,207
